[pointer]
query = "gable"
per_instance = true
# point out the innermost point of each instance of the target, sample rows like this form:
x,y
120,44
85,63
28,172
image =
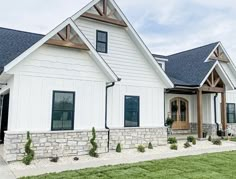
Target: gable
x,y
66,43
130,44
51,61
188,68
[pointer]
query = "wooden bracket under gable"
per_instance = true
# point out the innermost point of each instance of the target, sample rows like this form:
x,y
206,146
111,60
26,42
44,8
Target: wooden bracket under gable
x,y
214,83
103,15
218,54
65,39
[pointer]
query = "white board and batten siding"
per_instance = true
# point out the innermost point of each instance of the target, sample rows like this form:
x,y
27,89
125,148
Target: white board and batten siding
x,y
138,76
61,69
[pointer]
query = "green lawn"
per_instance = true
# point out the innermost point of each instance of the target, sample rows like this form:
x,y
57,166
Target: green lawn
x,y
212,166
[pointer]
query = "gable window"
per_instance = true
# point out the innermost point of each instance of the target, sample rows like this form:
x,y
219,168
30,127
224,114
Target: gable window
x,y
63,110
131,111
101,43
231,113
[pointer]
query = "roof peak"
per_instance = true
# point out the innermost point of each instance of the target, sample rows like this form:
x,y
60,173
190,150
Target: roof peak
x,y
194,48
21,31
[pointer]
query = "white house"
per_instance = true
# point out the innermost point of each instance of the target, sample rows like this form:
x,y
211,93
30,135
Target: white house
x,y
93,70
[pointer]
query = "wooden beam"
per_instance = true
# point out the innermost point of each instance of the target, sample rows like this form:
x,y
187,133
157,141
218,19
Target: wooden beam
x,y
223,111
105,7
98,10
67,44
61,36
104,19
212,77
209,83
111,12
199,113
68,32
212,89
216,82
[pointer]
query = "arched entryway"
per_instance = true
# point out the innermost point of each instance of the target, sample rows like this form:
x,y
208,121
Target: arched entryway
x,y
179,108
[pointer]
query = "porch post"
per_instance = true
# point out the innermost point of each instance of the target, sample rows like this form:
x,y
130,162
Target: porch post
x,y
199,113
223,111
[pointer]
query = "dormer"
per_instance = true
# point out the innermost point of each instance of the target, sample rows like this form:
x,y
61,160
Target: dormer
x,y
161,60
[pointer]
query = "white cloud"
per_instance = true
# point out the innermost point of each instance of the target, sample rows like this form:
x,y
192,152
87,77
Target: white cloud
x,y
166,26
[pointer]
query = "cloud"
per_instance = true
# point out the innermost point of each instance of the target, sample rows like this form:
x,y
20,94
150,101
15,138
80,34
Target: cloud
x,y
166,26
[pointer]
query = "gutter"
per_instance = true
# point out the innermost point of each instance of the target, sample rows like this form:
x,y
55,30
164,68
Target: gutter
x,y
217,124
106,126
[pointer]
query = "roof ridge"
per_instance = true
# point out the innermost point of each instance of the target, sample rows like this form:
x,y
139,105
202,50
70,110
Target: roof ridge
x,y
21,31
193,49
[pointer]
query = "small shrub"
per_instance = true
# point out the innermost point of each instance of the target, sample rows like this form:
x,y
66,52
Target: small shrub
x,y
190,138
172,140
29,153
27,159
54,159
194,142
141,148
209,138
174,147
118,148
92,151
150,145
187,145
217,142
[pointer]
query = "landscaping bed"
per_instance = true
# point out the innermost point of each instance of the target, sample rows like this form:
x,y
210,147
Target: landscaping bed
x,y
217,165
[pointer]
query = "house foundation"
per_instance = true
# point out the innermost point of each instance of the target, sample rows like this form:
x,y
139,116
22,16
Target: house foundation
x,y
76,143
211,129
132,137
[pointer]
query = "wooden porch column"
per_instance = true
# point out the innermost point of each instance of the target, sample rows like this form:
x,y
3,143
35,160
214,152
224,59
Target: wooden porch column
x,y
223,111
199,113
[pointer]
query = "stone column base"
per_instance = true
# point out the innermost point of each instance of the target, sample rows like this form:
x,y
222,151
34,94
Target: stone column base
x,y
211,129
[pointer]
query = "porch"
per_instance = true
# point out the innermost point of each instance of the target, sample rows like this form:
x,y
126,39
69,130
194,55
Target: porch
x,y
198,110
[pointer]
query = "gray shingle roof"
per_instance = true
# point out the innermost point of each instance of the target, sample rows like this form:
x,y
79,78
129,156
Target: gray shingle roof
x,y
188,68
13,43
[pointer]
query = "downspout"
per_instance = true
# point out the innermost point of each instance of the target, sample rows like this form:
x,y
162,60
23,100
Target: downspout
x,y
106,127
217,124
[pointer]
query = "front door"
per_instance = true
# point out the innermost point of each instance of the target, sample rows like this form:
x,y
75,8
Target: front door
x,y
179,112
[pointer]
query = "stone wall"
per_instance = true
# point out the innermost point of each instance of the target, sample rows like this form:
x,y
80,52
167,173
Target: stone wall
x,y
232,128
75,143
210,128
49,144
132,137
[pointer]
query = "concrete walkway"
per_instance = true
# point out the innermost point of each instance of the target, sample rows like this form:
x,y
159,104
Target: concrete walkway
x,y
112,158
5,172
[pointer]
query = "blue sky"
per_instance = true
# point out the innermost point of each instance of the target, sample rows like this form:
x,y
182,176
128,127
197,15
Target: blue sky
x,y
165,26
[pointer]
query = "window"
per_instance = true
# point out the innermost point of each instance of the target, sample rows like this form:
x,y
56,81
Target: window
x,y
231,113
102,41
63,110
131,111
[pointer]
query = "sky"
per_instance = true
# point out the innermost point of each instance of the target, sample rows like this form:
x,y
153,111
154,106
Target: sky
x,y
166,26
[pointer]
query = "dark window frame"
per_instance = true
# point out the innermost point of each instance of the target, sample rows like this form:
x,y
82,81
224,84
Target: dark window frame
x,y
97,41
138,125
73,112
227,112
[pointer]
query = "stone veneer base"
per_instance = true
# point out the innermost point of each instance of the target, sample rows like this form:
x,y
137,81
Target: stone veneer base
x,y
49,144
210,128
75,143
132,137
232,128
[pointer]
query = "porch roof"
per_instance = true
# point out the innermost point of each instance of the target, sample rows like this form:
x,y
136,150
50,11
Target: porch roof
x,y
189,68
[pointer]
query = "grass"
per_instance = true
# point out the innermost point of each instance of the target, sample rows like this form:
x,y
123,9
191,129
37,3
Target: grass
x,y
207,166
